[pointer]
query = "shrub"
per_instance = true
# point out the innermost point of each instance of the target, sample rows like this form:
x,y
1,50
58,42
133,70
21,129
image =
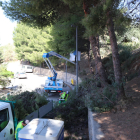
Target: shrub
x,y
4,82
26,103
124,52
96,98
7,73
131,76
83,73
4,72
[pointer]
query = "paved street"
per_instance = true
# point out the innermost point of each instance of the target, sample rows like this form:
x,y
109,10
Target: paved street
x,y
33,81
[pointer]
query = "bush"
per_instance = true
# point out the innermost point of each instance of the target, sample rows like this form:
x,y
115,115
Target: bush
x,y
97,98
124,52
4,82
4,72
26,103
83,73
131,76
73,111
7,74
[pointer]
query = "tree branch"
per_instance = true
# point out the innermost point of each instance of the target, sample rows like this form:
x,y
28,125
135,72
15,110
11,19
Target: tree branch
x,y
135,8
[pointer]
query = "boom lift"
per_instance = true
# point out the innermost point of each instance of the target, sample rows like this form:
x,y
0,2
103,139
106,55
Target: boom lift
x,y
53,85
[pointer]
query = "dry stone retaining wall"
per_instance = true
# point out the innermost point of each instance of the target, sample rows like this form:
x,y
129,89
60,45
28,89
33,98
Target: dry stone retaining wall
x,y
60,74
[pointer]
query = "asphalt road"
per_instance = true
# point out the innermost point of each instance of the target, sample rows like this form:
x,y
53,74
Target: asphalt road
x,y
32,83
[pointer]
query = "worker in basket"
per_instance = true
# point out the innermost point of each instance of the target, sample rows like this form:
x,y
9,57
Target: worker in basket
x,y
20,125
63,97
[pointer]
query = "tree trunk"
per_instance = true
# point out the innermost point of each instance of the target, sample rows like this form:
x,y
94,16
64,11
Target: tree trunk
x,y
115,57
89,59
100,71
98,63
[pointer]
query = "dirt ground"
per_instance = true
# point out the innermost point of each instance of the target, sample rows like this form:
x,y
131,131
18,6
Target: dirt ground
x,y
123,125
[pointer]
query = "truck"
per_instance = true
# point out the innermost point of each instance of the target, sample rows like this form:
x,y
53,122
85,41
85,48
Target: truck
x,y
52,84
8,122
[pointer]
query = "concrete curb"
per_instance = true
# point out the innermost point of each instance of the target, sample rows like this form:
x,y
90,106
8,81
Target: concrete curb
x,y
95,132
69,85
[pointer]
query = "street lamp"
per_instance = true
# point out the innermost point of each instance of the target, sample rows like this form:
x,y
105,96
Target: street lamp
x,y
76,60
76,56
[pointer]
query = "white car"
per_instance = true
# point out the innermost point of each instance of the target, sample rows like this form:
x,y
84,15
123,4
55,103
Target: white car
x,y
20,75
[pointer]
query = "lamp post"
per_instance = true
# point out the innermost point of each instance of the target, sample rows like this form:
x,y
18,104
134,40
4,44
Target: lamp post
x,y
76,57
76,60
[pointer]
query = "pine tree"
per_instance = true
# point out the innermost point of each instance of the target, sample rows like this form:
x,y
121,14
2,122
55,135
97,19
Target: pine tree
x,y
86,5
1,59
31,42
63,36
101,16
39,13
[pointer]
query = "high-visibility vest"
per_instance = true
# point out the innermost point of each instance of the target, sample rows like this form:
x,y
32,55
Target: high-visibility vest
x,y
18,126
63,95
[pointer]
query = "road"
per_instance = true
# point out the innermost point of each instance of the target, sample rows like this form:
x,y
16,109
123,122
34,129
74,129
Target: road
x,y
32,83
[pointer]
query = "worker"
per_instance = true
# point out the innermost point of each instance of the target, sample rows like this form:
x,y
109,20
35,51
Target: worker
x,y
7,96
63,97
20,125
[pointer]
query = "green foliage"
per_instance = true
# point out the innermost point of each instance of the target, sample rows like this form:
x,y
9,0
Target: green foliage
x,y
1,59
131,76
4,82
31,42
132,32
63,34
4,72
26,103
8,53
7,73
95,22
72,3
73,108
83,73
124,52
124,55
39,13
98,99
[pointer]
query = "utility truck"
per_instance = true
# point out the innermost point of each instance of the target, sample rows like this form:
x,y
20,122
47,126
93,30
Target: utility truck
x,y
40,129
53,85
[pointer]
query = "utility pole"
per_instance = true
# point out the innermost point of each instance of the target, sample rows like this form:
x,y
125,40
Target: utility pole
x,y
76,60
66,71
76,57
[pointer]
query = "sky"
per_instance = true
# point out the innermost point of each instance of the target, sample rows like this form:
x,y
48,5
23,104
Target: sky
x,y
6,29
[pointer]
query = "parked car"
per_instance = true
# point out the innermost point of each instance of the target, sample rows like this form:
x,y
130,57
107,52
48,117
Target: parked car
x,y
20,75
27,68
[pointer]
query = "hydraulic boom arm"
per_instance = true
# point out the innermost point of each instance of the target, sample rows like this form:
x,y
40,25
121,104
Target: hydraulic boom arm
x,y
49,54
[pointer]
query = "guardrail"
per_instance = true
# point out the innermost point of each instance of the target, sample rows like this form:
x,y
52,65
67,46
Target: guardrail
x,y
41,112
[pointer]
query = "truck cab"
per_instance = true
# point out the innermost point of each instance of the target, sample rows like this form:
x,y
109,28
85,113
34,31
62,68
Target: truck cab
x,y
6,122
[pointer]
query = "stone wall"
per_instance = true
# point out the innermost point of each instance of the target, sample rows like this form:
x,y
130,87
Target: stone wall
x,y
60,74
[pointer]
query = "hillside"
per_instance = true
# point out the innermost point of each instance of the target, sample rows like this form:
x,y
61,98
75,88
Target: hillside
x,y
123,123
